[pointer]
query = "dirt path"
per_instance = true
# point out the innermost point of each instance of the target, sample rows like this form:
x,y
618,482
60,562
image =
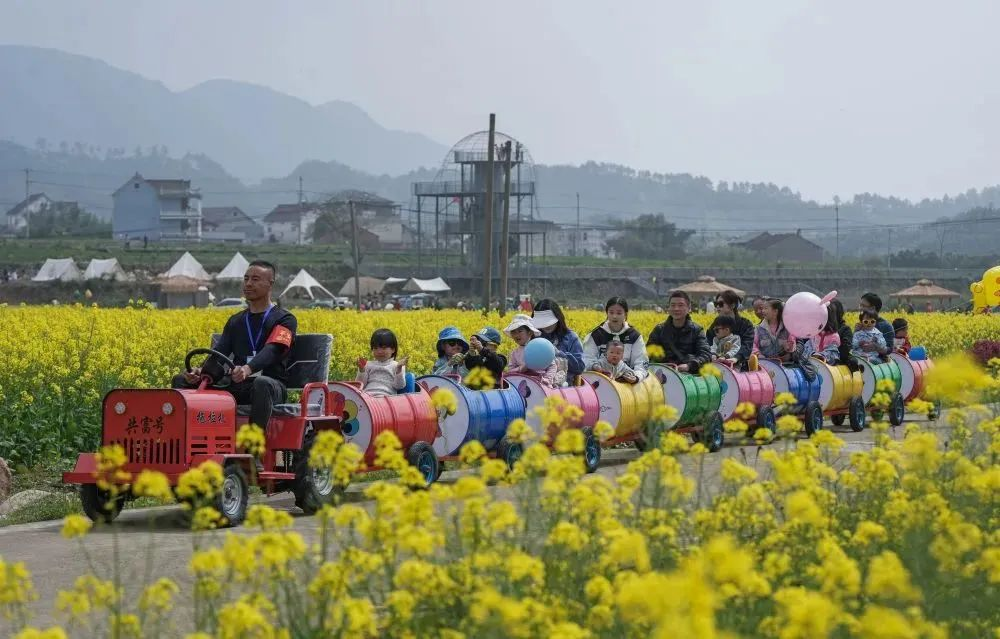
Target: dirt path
x,y
55,563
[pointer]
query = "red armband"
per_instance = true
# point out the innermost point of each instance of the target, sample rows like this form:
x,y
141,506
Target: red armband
x,y
280,335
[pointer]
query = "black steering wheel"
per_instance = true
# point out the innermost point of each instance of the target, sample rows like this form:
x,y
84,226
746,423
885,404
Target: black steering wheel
x,y
225,365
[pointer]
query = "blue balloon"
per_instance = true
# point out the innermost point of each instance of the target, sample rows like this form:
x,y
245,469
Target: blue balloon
x,y
539,353
918,353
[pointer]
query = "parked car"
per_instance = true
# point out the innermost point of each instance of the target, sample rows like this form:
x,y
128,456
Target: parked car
x,y
231,301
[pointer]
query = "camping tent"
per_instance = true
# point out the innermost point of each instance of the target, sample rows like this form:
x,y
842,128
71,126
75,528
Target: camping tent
x,y
62,269
306,282
187,266
236,268
436,285
369,286
707,286
108,269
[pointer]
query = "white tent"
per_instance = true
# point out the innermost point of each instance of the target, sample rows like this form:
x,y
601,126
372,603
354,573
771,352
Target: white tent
x,y
236,268
108,269
306,282
369,286
436,285
62,269
189,267
395,280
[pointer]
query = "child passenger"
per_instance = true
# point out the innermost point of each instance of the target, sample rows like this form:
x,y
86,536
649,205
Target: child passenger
x,y
382,375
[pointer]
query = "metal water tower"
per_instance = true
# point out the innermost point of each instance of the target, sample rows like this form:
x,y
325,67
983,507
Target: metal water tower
x,y
453,205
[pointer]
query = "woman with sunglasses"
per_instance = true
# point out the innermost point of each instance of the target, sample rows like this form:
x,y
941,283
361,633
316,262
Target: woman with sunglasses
x,y
451,348
549,319
727,304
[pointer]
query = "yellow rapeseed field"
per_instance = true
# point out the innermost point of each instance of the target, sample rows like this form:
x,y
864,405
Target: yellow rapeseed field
x,y
60,361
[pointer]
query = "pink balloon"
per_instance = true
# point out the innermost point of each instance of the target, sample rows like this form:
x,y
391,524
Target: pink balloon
x,y
805,314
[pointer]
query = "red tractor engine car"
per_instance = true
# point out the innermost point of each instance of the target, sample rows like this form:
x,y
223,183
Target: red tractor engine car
x,y
174,430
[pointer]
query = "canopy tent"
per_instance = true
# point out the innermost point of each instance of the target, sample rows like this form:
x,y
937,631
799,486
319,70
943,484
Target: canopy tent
x,y
189,267
108,269
61,269
303,280
436,285
369,286
236,268
395,280
925,290
707,285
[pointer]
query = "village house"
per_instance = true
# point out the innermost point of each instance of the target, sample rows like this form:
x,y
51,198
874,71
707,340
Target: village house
x,y
157,210
229,224
291,223
786,247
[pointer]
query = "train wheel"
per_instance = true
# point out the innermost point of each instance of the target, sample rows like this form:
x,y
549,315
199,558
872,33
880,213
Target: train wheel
x,y
591,450
509,452
712,434
231,502
813,418
897,410
839,419
421,456
857,414
313,487
97,504
765,419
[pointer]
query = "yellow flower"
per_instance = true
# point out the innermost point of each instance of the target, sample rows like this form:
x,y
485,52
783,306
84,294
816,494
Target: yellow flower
x,y
75,526
745,411
34,633
267,518
519,431
444,400
206,518
158,596
763,435
785,399
655,352
153,484
250,439
736,473
788,425
472,452
869,532
736,426
201,484
569,441
479,378
889,580
711,370
603,430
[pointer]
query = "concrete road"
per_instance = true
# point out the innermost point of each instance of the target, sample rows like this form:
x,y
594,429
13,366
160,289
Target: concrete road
x,y
55,562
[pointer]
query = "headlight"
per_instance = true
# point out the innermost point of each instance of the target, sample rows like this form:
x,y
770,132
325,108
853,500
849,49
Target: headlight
x,y
168,408
120,408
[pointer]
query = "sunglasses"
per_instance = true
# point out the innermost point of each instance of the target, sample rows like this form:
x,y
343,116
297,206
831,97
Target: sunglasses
x,y
868,322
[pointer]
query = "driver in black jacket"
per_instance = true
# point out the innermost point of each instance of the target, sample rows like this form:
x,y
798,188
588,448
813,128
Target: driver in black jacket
x,y
683,342
257,339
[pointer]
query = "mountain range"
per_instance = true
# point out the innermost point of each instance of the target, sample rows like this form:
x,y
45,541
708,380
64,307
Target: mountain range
x,y
252,130
83,127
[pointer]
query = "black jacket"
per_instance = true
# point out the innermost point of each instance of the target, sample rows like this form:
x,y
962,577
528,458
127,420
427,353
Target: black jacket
x,y
846,337
495,363
744,328
684,345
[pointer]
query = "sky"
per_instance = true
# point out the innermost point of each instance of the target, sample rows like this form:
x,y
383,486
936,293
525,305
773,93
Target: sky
x,y
828,98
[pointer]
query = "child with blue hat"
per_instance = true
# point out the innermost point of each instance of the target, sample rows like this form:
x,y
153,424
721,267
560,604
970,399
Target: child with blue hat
x,y
451,347
483,353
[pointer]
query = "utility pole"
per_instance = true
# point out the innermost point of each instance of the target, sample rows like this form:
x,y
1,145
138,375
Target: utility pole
x,y
488,222
300,209
576,238
27,211
354,252
505,231
420,257
836,208
888,247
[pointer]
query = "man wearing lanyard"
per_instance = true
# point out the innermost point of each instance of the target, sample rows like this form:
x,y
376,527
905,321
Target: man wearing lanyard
x,y
257,339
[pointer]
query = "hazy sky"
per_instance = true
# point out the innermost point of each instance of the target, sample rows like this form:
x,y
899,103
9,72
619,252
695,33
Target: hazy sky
x,y
835,97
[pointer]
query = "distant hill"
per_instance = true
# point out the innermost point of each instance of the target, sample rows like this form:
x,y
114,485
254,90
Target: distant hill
x,y
52,97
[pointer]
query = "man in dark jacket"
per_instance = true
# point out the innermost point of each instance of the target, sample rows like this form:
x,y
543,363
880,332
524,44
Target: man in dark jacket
x,y
683,342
